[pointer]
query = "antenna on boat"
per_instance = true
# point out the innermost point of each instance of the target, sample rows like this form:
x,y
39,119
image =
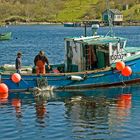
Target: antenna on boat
x,y
109,19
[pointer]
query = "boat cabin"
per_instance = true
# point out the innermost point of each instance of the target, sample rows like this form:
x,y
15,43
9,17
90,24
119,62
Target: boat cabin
x,y
93,52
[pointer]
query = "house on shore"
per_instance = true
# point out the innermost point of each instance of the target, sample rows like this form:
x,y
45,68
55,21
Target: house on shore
x,y
116,17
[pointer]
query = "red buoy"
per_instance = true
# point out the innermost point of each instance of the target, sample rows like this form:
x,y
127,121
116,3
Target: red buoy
x,y
16,77
120,65
3,91
3,88
3,95
127,71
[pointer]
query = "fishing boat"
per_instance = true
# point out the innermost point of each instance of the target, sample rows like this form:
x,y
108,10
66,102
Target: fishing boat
x,y
72,24
68,24
5,36
90,62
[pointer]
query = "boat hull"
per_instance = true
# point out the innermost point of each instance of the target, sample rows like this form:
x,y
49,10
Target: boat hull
x,y
82,80
5,36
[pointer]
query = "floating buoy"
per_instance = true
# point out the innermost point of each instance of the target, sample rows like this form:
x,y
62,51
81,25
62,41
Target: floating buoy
x,y
120,65
3,95
127,71
3,88
3,91
16,77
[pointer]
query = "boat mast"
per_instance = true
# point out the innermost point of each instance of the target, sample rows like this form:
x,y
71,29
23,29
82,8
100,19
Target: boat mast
x,y
109,19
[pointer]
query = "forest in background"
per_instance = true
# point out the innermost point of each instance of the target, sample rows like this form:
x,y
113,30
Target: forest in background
x,y
64,10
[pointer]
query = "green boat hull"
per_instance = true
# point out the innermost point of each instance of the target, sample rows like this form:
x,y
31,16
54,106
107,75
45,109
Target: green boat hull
x,y
5,36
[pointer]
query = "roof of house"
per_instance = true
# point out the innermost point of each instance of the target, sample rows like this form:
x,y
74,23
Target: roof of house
x,y
115,11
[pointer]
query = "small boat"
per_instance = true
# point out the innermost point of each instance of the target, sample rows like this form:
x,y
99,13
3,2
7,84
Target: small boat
x,y
68,24
5,36
72,24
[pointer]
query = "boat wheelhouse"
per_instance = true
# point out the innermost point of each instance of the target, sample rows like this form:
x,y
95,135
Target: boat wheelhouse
x,y
94,52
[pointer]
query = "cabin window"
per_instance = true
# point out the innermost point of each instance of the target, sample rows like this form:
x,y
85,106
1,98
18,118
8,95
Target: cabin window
x,y
133,53
68,43
116,53
114,49
122,44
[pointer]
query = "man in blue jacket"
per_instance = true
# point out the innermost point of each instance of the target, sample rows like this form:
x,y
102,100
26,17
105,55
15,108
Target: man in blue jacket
x,y
18,63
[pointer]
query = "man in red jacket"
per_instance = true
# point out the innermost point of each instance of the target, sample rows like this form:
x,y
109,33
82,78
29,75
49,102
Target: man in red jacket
x,y
40,61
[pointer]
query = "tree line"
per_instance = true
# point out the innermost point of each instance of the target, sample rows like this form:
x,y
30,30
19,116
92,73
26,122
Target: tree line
x,y
57,10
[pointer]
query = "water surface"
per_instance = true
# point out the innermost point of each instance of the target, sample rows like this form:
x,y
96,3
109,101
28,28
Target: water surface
x,y
96,114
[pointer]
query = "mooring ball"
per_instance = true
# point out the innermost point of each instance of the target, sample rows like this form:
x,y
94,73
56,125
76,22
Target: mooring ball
x,y
16,77
3,91
120,65
127,71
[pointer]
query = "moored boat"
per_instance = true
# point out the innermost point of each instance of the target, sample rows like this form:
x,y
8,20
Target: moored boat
x,y
90,62
5,36
72,24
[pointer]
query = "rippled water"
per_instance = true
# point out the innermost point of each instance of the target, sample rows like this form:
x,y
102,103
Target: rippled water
x,y
32,38
96,114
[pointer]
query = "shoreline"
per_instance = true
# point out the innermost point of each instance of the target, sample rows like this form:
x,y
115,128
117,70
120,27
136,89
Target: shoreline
x,y
125,23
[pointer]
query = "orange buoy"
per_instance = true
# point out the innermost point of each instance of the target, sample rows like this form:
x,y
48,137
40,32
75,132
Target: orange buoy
x,y
127,71
16,77
3,95
120,65
3,88
3,91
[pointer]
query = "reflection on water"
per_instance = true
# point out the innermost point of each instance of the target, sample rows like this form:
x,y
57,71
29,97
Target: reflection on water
x,y
124,104
95,114
16,103
40,107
